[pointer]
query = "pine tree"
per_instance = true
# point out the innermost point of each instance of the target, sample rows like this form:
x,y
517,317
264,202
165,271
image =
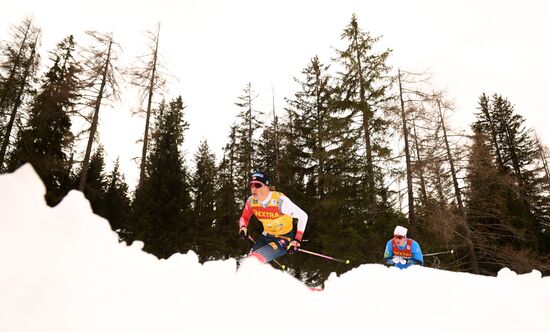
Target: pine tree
x,y
228,204
486,124
268,154
162,205
247,126
362,97
313,137
504,129
47,139
363,90
318,128
324,154
291,173
269,148
116,207
492,206
203,186
511,142
95,185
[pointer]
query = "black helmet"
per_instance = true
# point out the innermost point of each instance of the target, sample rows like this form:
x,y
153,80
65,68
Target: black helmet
x,y
260,177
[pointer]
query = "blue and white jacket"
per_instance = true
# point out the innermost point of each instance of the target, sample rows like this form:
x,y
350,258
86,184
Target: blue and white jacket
x,y
411,252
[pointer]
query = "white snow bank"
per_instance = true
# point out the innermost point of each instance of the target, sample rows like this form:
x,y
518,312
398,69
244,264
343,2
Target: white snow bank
x,y
63,269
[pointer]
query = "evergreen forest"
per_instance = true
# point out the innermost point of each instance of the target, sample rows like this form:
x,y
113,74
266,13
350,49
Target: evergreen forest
x,y
360,146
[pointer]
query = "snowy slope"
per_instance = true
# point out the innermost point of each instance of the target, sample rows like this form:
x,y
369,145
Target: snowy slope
x,y
62,269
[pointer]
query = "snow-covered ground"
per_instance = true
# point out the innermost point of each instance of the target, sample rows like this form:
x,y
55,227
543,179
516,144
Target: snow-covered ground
x,y
63,269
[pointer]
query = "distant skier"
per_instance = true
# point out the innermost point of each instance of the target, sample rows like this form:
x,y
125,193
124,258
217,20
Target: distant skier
x,y
275,211
401,251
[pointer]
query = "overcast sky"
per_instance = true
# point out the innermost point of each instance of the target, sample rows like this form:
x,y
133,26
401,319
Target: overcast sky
x,y
215,47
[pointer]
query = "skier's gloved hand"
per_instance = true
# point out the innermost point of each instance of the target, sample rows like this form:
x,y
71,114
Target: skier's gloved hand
x,y
243,232
399,259
293,246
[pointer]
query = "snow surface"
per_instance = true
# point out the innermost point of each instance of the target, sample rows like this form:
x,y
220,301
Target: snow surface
x,y
63,269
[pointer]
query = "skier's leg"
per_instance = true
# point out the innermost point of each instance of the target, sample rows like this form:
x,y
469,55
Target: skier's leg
x,y
260,242
272,250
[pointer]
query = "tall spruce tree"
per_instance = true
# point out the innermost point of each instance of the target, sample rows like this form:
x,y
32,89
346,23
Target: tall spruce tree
x,y
162,206
268,152
47,140
95,185
518,146
248,123
291,172
319,152
228,204
511,142
203,185
505,129
319,129
364,94
492,203
116,207
486,124
362,97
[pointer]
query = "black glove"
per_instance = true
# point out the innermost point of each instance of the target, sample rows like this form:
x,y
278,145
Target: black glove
x,y
293,246
243,232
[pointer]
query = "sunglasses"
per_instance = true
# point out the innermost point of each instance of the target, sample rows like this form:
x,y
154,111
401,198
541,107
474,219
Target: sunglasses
x,y
399,237
256,185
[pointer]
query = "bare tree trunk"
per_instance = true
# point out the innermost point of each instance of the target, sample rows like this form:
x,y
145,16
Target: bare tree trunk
x,y
250,127
439,187
148,116
276,133
371,197
515,162
9,126
468,233
320,190
232,158
544,161
13,70
93,129
493,135
410,193
419,160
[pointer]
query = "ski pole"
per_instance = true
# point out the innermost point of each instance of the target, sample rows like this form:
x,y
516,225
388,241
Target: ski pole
x,y
282,266
439,253
345,261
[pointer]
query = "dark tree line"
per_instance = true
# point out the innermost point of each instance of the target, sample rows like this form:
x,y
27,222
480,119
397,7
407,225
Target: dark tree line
x,y
333,151
508,197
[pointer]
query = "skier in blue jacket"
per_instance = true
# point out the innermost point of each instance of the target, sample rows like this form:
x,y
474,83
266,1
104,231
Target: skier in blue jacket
x,y
402,252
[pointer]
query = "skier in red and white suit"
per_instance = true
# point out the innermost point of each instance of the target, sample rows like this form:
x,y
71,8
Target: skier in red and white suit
x,y
276,212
